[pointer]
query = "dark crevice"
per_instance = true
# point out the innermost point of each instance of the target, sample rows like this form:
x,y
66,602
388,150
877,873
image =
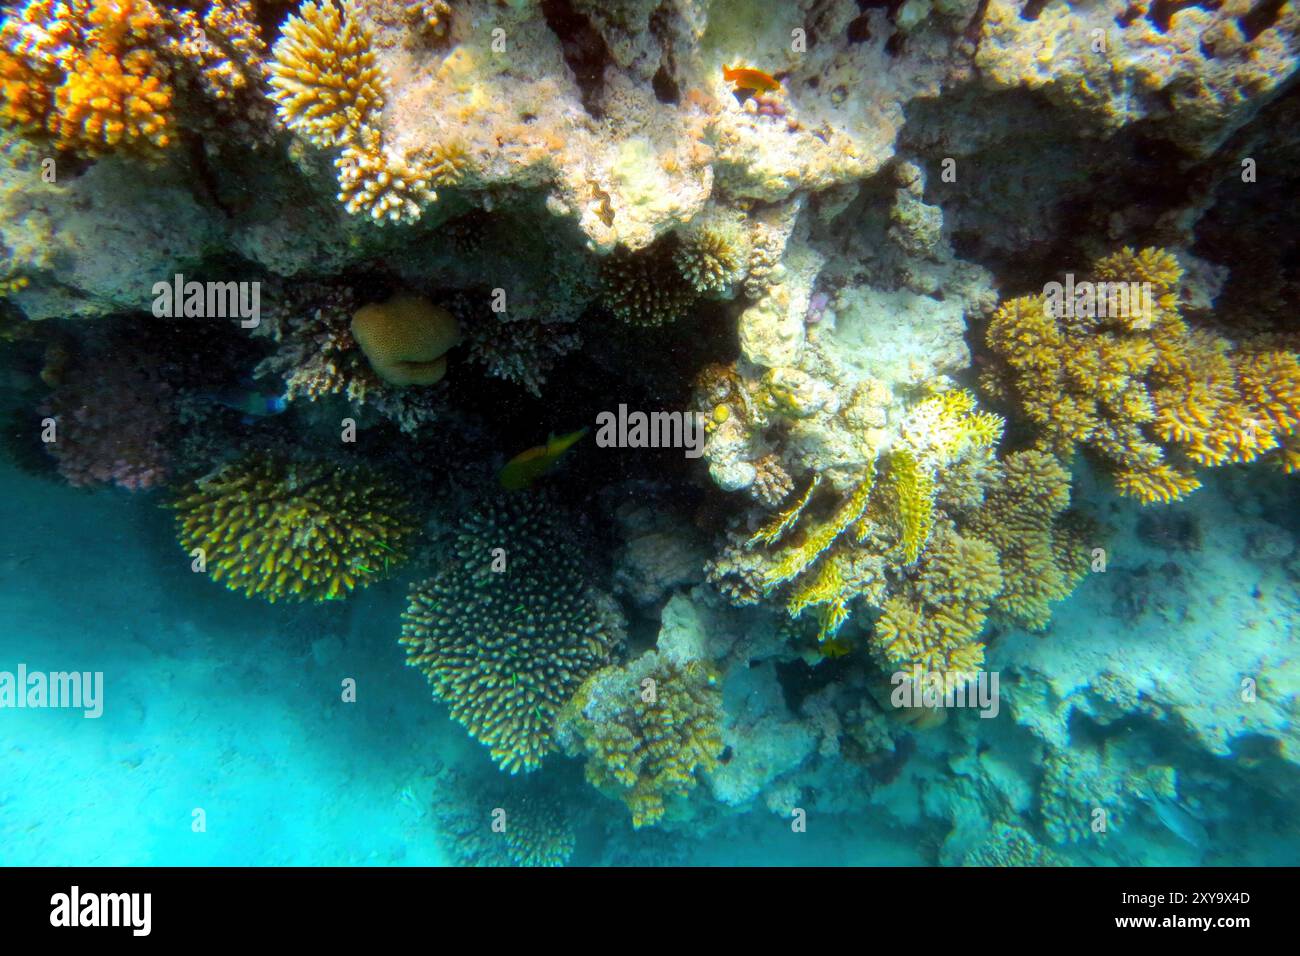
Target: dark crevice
x,y
1262,15
584,50
1033,9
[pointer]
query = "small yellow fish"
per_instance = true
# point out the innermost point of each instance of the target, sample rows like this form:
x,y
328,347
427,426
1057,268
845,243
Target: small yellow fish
x,y
747,79
527,466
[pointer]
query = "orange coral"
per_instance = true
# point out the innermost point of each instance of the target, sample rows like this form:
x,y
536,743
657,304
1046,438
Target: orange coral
x,y
84,72
1136,385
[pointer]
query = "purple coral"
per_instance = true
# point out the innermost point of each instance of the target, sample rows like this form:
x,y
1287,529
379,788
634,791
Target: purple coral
x,y
112,417
816,308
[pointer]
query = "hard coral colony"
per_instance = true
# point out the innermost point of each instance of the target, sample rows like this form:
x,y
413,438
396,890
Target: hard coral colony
x,y
944,373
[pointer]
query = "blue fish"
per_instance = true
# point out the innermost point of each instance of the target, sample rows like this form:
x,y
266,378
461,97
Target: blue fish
x,y
252,402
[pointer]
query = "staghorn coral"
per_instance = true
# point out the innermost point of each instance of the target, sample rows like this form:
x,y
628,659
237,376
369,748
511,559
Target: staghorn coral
x,y
645,288
648,729
113,417
324,78
1126,377
296,531
508,627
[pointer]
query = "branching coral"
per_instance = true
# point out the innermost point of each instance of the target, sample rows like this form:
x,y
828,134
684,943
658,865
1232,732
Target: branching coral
x,y
713,256
487,824
1116,369
294,531
87,74
645,288
328,87
387,188
508,627
934,621
648,730
325,81
1042,549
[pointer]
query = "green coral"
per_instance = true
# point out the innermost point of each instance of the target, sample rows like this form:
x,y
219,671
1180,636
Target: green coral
x,y
645,288
294,530
648,730
509,627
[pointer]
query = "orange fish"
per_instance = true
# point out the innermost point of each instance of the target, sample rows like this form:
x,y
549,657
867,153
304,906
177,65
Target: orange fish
x,y
747,79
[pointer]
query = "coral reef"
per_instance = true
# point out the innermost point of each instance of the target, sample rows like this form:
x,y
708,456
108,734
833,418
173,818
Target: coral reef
x,y
113,420
483,823
293,531
508,627
1115,368
647,729
645,288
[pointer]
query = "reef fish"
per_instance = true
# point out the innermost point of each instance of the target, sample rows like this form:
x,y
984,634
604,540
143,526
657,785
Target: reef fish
x,y
527,466
747,79
250,401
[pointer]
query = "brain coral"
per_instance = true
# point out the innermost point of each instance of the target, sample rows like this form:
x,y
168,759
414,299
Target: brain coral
x,y
508,627
406,339
297,531
648,729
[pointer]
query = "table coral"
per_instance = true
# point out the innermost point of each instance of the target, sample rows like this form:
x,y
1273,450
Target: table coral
x,y
508,627
294,531
648,729
1136,384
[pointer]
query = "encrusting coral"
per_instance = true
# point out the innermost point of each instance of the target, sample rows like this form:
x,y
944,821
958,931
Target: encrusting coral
x,y
508,627
1117,369
295,531
648,730
406,339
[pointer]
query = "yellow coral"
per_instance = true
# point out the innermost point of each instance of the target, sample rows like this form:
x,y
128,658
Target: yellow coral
x,y
293,531
914,489
935,623
384,187
1141,388
648,729
324,77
